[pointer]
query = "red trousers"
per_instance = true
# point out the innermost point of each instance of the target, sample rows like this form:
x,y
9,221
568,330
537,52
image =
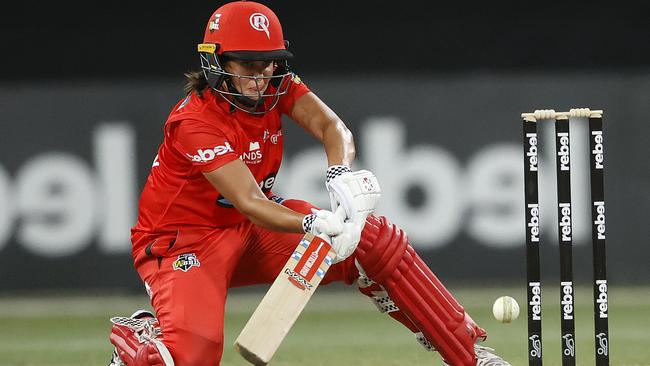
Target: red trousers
x,y
188,275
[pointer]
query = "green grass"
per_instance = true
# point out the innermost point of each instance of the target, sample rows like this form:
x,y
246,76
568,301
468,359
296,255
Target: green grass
x,y
337,328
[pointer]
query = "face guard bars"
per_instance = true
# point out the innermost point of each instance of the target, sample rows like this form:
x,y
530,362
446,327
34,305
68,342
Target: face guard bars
x,y
218,77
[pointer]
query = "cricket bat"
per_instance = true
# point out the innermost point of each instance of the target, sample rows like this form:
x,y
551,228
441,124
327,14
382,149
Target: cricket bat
x,y
285,300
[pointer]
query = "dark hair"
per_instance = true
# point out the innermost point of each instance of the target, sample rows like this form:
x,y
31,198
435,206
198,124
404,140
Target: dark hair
x,y
196,82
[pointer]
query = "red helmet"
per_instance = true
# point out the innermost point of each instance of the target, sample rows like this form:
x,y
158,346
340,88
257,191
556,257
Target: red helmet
x,y
249,31
246,30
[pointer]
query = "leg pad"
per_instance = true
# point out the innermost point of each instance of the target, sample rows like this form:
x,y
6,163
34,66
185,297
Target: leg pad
x,y
387,257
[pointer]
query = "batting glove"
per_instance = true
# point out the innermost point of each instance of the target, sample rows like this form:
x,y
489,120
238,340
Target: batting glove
x,y
357,192
322,222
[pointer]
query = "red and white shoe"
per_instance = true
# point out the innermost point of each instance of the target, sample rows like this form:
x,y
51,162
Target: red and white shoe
x,y
138,341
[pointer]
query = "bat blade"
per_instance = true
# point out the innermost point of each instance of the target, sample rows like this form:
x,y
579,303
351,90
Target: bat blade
x,y
285,300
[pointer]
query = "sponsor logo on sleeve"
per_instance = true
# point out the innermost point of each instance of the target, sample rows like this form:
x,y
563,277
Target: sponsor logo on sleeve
x,y
207,155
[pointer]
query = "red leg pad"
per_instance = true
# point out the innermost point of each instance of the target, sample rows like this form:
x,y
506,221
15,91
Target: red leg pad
x,y
372,290
388,258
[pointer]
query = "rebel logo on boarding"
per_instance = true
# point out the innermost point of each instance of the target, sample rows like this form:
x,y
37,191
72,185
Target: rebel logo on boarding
x,y
563,152
567,300
565,221
597,152
533,224
599,223
532,152
535,300
602,298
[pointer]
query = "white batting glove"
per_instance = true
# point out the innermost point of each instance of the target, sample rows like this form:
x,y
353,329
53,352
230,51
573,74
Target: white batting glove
x,y
322,222
357,192
346,242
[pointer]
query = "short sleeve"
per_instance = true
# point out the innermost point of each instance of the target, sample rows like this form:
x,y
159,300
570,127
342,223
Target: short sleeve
x,y
205,146
297,89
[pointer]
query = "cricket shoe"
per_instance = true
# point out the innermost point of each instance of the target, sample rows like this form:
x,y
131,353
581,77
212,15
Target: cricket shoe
x,y
137,341
115,357
485,357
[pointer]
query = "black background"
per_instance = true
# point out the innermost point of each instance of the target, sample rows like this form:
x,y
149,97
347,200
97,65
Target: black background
x,y
144,39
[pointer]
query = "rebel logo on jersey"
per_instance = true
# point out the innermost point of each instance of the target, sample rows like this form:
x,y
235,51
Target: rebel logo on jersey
x,y
206,155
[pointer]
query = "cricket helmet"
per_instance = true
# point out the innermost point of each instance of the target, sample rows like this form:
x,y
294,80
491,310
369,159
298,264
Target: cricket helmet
x,y
247,31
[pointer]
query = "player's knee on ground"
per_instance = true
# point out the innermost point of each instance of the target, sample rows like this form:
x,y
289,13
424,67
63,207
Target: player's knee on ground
x,y
387,258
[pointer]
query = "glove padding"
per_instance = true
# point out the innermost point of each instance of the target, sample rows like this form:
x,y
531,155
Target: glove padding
x,y
323,222
357,192
346,242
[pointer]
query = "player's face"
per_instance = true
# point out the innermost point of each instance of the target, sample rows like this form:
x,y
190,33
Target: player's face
x,y
253,76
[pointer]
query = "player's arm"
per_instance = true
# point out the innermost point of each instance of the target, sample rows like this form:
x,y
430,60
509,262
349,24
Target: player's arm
x,y
343,186
321,122
209,150
235,181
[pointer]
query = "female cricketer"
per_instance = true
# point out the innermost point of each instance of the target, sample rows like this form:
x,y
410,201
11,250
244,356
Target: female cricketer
x,y
208,218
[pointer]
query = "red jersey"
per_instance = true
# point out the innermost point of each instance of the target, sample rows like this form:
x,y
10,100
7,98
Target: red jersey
x,y
201,135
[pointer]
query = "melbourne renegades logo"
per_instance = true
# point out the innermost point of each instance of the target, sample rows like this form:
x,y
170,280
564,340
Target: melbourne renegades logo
x,y
260,23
